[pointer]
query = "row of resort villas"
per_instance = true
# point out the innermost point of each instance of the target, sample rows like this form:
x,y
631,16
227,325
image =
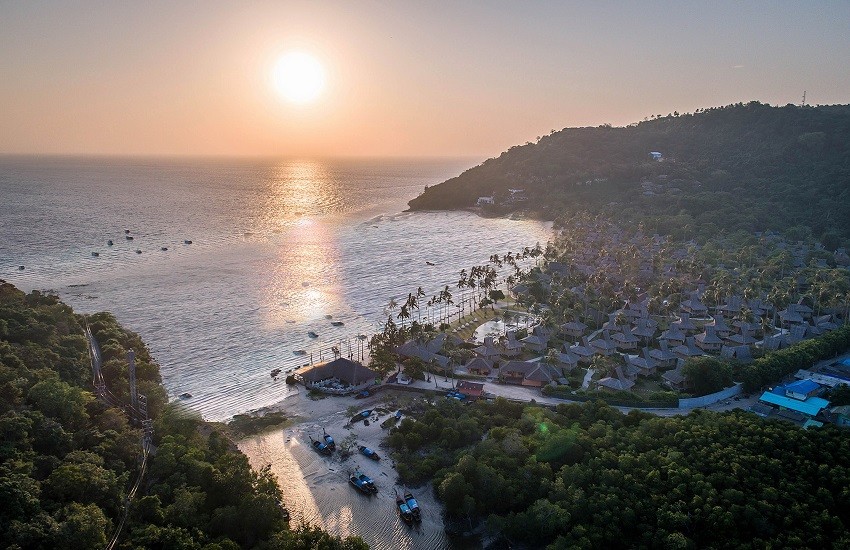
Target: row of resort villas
x,y
628,332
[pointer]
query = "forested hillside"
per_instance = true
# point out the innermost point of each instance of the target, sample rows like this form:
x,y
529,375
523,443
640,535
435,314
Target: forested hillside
x,y
588,476
746,166
67,460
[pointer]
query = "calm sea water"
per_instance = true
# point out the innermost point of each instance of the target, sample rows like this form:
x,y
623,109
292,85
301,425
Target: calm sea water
x,y
279,248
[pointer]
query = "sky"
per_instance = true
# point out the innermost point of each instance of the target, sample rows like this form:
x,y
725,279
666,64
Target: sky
x,y
402,78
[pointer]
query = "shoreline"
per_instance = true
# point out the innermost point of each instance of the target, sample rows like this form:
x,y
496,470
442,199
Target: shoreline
x,y
316,488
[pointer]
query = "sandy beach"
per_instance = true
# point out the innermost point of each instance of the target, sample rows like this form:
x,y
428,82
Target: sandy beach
x,y
316,489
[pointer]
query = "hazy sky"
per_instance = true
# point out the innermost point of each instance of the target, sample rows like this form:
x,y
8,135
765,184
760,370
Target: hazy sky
x,y
403,78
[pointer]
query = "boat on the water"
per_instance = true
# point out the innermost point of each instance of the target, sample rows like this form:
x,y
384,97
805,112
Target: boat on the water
x,y
109,242
185,395
95,254
312,334
164,248
129,238
369,453
138,251
320,447
337,323
413,505
361,416
429,263
299,352
20,268
126,231
275,372
187,241
329,441
403,508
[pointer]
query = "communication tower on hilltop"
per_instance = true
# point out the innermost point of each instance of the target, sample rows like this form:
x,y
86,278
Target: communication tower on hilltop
x,y
803,104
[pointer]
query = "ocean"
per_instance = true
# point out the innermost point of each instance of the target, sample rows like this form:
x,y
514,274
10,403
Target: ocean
x,y
279,249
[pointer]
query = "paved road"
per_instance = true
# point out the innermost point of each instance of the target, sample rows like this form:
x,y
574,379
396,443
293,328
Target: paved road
x,y
522,393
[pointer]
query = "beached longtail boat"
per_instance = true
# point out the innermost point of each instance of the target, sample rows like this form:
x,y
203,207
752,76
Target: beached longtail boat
x,y
359,484
361,416
410,500
320,447
403,508
367,481
369,453
329,441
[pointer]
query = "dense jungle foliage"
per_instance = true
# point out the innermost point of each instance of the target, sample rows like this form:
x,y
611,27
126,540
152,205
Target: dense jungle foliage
x,y
587,476
67,460
747,167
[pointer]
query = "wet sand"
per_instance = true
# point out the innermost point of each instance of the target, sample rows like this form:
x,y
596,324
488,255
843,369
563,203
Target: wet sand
x,y
315,487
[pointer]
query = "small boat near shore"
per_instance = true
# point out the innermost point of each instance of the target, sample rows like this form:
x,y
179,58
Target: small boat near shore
x,y
164,248
313,334
410,500
299,352
337,323
109,242
187,241
361,416
320,447
329,441
95,254
403,508
185,395
138,251
369,453
275,373
129,238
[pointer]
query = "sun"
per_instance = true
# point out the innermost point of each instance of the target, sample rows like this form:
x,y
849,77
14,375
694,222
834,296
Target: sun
x,y
298,77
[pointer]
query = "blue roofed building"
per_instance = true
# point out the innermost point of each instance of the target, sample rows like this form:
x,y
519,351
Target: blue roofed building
x,y
802,389
810,407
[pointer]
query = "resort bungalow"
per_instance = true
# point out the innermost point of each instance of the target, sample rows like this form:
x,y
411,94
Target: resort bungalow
x,y
511,347
582,351
684,324
488,350
687,350
741,353
664,358
535,342
709,341
673,336
529,373
694,306
479,366
619,383
340,376
644,364
720,327
604,346
575,329
645,328
567,361
625,340
675,379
